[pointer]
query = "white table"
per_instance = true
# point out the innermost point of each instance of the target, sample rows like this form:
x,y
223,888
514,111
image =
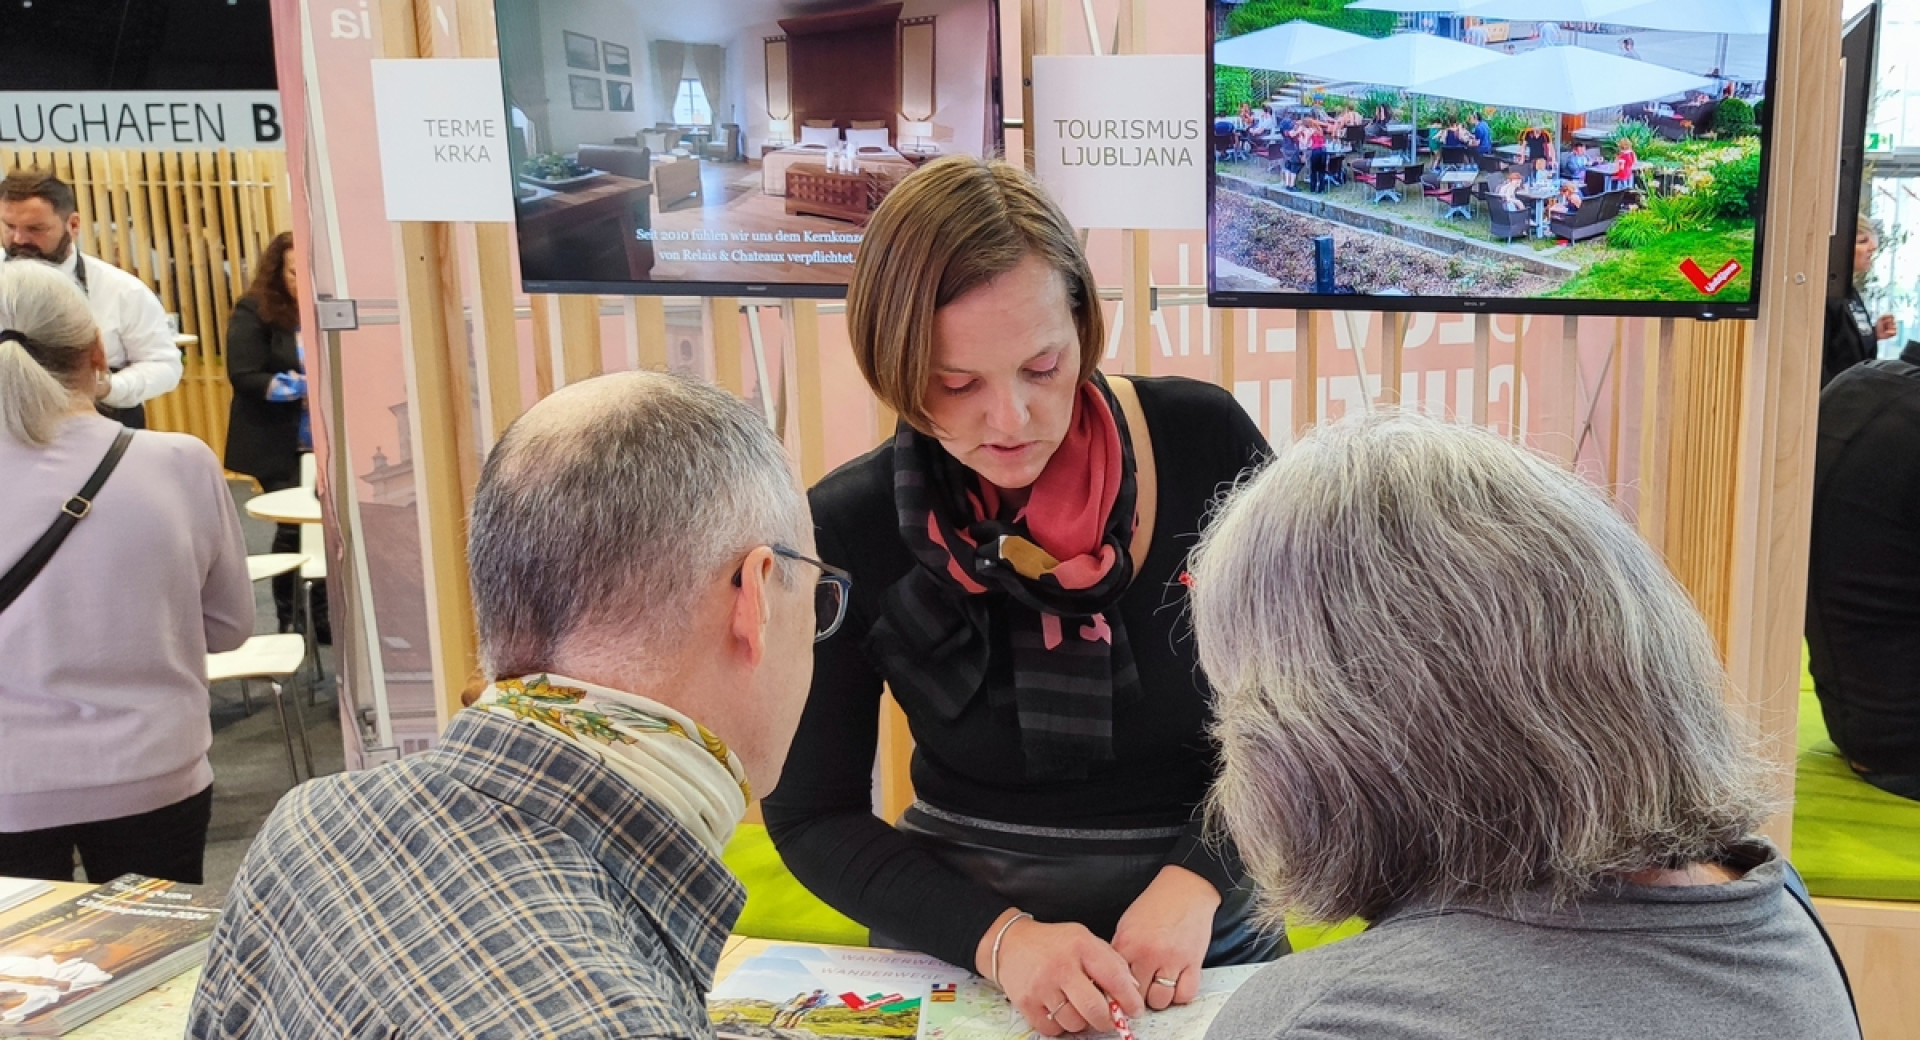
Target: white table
x,y
294,505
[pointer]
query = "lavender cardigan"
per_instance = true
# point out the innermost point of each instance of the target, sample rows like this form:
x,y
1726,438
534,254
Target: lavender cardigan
x,y
103,695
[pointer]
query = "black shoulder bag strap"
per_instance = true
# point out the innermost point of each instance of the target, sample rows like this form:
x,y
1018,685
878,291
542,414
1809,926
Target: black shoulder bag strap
x,y
1797,888
16,580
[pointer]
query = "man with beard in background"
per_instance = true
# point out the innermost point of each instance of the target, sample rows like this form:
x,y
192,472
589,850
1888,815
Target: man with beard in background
x,y
38,221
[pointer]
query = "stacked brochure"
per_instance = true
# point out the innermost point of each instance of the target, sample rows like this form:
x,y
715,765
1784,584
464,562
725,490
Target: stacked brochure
x,y
67,965
799,992
14,891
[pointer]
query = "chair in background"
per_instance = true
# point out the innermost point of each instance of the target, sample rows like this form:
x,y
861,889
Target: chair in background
x,y
620,160
1591,220
1453,155
675,181
1508,224
274,659
1226,145
1384,182
724,144
1489,164
1336,171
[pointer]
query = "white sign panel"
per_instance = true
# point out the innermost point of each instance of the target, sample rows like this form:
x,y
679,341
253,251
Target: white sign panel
x,y
1120,141
140,119
443,140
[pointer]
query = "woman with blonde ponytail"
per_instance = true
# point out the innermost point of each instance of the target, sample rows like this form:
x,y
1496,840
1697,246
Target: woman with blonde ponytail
x,y
103,697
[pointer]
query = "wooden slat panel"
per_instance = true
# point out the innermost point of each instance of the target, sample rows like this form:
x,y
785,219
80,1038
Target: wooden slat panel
x,y
190,225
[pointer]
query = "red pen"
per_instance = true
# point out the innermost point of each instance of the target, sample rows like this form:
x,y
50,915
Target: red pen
x,y
1120,1020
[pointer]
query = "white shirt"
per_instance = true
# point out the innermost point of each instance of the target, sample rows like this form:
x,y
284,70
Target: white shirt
x,y
134,328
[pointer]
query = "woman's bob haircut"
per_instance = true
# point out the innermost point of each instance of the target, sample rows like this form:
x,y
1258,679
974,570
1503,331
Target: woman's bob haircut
x,y
946,229
1449,673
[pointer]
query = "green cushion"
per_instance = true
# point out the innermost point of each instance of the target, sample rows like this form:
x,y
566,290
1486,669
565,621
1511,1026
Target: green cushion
x,y
778,905
1850,839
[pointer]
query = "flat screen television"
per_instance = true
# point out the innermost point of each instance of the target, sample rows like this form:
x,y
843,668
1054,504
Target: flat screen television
x,y
729,147
1484,160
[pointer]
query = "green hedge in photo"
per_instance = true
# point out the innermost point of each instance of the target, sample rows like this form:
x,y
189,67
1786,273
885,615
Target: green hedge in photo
x,y
1260,14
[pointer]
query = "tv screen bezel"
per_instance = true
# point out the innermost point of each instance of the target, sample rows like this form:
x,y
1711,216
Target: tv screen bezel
x,y
1704,310
996,145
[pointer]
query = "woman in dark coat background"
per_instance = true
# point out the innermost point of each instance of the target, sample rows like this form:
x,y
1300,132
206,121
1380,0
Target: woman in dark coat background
x,y
266,428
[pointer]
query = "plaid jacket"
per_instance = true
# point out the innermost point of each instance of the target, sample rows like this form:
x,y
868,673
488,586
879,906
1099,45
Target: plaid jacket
x,y
503,884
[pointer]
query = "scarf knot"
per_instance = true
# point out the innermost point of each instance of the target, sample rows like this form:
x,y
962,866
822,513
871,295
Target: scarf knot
x,y
1054,573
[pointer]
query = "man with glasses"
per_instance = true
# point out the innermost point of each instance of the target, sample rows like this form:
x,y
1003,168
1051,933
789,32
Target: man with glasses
x,y
647,604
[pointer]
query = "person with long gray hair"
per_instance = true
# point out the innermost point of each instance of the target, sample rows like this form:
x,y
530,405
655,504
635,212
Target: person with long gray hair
x,y
647,607
103,655
1459,697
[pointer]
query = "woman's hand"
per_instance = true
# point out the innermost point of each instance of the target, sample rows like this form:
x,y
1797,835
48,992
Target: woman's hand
x,y
1059,976
1165,933
1886,327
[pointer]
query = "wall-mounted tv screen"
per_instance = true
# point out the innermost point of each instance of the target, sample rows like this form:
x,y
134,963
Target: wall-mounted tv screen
x,y
730,147
1462,155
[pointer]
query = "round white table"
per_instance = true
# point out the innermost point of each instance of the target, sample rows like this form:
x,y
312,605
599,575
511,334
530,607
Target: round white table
x,y
294,505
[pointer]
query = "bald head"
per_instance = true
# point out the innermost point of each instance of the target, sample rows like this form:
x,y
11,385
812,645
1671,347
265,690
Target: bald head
x,y
606,507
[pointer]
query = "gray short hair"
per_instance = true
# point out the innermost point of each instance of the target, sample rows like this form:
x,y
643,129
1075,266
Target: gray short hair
x,y
611,504
1448,672
40,302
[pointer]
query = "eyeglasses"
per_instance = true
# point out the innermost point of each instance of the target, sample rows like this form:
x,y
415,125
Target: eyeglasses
x,y
829,594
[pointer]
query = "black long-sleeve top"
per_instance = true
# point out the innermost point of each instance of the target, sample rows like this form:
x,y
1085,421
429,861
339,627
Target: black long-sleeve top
x,y
1863,583
821,816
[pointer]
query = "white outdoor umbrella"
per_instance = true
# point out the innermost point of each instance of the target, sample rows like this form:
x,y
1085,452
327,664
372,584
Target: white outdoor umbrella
x,y
1707,16
1568,80
1402,60
1744,17
1284,47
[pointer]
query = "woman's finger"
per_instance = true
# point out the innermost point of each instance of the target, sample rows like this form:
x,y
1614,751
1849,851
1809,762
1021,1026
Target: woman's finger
x,y
1163,987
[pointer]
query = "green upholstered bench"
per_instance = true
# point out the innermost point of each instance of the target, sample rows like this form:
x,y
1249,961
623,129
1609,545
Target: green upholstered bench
x,y
1850,839
779,907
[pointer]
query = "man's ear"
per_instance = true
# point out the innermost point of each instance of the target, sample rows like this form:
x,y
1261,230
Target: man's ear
x,y
73,226
752,607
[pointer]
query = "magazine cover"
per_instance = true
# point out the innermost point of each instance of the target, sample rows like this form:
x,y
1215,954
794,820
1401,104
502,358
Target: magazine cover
x,y
796,992
68,964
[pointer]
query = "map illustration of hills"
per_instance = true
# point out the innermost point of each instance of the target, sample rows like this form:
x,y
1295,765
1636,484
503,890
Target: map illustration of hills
x,y
979,1011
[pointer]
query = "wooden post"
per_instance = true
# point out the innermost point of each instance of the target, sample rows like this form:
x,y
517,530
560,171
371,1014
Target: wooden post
x,y
1393,361
723,318
579,339
1306,371
649,317
1482,353
1136,247
498,346
805,325
435,413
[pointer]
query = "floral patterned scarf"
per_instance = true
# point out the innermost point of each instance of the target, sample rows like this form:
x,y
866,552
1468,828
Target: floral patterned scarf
x,y
677,761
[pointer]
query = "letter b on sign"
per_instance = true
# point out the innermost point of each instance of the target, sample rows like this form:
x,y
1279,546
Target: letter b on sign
x,y
266,124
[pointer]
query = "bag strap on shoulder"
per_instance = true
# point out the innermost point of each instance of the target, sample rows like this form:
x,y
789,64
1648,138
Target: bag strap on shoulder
x,y
74,510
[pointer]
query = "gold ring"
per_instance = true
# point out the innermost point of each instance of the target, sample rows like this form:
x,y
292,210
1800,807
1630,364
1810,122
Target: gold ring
x,y
1162,980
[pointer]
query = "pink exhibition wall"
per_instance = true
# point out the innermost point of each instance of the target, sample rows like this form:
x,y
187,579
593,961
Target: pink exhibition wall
x,y
1565,397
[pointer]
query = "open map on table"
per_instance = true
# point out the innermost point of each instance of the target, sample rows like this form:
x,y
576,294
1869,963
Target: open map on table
x,y
803,992
979,1011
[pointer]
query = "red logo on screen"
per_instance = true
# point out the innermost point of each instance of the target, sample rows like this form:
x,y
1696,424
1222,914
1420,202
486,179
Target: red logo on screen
x,y
1706,283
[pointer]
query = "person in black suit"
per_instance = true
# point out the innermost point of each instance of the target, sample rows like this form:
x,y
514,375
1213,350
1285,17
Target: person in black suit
x,y
267,425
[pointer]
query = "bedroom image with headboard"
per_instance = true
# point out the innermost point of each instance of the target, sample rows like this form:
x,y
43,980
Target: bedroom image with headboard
x,y
730,146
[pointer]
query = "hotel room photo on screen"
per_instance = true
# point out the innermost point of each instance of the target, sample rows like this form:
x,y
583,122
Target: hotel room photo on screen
x,y
732,146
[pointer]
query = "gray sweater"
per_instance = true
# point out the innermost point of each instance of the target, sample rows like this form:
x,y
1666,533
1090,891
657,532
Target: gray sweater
x,y
1740,959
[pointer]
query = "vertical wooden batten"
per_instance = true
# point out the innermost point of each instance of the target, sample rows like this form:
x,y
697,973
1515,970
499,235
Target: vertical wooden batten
x,y
423,265
498,339
580,356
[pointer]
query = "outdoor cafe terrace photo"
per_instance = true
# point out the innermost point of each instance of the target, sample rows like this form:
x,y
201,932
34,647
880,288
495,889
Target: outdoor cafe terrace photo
x,y
1575,149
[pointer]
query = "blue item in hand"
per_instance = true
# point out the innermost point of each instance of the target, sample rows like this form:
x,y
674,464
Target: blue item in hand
x,y
287,386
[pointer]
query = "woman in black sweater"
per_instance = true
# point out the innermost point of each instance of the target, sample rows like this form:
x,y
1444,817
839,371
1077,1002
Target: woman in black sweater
x,y
266,424
1018,559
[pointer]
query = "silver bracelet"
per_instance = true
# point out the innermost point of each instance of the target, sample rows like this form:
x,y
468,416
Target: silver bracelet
x,y
994,958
